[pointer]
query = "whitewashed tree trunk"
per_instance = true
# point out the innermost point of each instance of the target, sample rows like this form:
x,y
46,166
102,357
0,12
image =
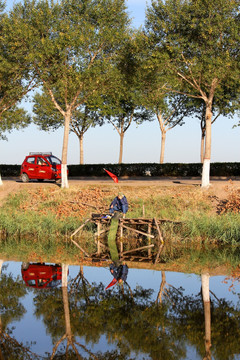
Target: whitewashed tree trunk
x,y
206,173
207,314
207,154
1,264
64,176
64,275
1,180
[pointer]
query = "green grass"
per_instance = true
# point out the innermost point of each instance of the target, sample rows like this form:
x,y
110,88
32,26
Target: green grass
x,y
39,234
224,229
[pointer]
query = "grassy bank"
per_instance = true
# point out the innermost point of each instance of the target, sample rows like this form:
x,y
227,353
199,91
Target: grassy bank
x,y
40,221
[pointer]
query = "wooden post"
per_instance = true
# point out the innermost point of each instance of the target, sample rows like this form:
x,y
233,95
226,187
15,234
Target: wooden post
x,y
149,240
98,237
75,243
80,227
160,242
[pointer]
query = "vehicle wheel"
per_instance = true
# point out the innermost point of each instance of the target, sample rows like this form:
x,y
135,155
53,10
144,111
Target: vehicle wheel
x,y
24,178
25,265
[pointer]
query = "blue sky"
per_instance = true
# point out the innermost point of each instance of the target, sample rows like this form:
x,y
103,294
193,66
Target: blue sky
x,y
141,144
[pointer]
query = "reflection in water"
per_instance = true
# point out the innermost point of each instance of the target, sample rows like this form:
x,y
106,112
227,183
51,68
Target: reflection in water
x,y
159,321
41,275
119,273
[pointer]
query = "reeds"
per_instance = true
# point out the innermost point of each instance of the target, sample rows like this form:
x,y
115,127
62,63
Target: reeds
x,y
224,229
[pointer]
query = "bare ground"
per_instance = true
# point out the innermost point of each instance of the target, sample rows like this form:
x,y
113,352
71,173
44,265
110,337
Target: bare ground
x,y
219,188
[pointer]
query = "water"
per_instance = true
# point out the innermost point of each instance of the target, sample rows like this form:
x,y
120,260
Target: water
x,y
159,315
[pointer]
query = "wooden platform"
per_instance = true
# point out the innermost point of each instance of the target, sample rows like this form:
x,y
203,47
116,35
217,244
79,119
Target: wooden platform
x,y
136,239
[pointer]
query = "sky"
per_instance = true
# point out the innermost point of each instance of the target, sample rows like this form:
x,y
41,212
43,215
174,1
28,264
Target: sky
x,y
141,143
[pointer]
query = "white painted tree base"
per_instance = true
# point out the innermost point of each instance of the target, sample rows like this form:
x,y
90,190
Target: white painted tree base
x,y
206,173
64,275
64,177
1,180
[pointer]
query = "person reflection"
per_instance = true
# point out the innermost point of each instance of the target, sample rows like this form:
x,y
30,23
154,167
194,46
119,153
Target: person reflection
x,y
119,273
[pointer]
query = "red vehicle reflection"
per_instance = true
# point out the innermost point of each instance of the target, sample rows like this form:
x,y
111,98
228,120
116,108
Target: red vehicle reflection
x,y
41,275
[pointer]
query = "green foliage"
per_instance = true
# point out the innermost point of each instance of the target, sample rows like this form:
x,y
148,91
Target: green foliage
x,y
72,46
196,37
15,78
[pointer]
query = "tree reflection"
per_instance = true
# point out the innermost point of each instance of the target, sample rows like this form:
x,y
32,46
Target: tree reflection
x,y
11,291
212,327
136,322
127,319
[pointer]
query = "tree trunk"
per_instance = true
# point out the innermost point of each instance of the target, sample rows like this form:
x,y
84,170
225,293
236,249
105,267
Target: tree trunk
x,y
65,300
207,314
207,154
163,139
81,148
1,180
202,148
121,147
66,312
203,133
1,263
162,286
64,275
163,136
64,176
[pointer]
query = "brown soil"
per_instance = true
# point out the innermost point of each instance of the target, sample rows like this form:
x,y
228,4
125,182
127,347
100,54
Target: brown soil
x,y
219,189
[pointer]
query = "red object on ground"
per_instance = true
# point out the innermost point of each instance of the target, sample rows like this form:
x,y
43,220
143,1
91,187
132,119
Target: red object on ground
x,y
114,177
113,282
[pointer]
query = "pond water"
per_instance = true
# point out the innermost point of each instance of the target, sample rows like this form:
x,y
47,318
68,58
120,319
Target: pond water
x,y
156,315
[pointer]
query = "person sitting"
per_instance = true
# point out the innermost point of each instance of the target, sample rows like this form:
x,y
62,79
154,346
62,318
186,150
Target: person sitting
x,y
119,272
120,203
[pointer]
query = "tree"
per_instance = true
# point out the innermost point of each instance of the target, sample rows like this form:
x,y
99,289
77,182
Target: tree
x,y
200,42
47,117
73,45
123,113
170,111
153,84
123,104
15,78
14,118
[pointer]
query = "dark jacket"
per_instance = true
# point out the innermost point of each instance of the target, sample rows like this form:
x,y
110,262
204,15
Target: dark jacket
x,y
120,204
119,272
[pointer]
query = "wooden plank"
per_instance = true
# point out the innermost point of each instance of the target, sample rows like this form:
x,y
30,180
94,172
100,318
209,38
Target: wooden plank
x,y
159,232
98,233
102,245
158,254
80,227
137,249
161,241
138,231
75,243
